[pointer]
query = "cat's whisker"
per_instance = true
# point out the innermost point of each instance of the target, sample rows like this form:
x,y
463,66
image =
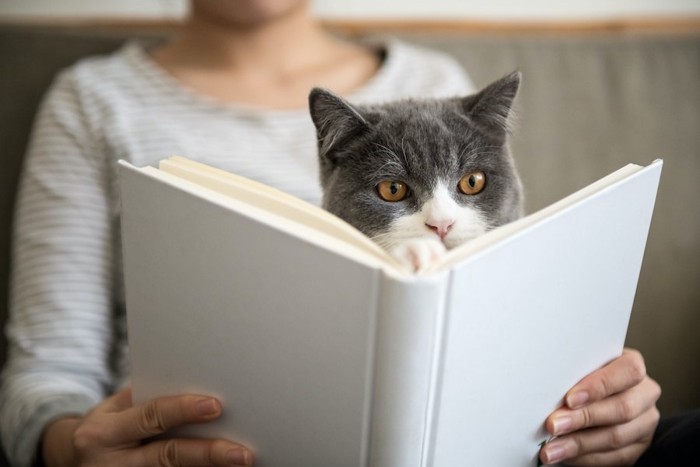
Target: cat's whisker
x,y
395,162
389,168
403,153
392,238
469,152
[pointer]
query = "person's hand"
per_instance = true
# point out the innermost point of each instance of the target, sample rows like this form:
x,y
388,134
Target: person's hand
x,y
609,417
115,433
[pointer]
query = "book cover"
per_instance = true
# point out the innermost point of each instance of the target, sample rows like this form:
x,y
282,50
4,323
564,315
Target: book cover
x,y
325,353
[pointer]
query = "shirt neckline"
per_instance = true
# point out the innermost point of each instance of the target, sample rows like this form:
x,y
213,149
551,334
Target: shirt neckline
x,y
138,56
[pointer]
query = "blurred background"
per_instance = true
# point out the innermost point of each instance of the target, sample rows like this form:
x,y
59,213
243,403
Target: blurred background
x,y
503,10
605,83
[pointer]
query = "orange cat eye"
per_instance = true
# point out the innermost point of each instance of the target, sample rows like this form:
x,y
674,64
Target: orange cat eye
x,y
472,183
392,190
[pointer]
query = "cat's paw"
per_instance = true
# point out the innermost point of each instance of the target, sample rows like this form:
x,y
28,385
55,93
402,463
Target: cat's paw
x,y
417,253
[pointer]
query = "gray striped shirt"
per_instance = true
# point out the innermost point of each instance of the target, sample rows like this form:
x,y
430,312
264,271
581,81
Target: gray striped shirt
x,y
67,344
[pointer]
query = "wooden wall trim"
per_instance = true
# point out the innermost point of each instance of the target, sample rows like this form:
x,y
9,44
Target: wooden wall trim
x,y
666,25
675,25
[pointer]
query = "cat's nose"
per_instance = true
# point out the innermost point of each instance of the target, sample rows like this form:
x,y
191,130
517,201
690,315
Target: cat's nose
x,y
441,228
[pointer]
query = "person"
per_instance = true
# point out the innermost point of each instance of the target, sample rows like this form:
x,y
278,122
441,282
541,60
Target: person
x,y
230,90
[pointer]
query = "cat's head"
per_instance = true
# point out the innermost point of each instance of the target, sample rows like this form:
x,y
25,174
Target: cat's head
x,y
434,168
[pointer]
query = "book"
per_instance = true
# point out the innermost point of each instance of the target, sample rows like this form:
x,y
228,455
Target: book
x,y
324,352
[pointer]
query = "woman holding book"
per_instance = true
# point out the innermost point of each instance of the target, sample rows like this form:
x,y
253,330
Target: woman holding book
x,y
230,90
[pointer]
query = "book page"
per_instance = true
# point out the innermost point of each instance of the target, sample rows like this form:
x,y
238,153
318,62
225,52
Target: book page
x,y
266,199
497,235
269,198
274,201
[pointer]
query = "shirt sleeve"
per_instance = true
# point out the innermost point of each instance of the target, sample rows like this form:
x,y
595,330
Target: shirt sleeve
x,y
60,325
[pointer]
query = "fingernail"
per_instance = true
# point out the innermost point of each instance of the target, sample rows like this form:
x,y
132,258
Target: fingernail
x,y
577,399
208,407
239,457
562,424
554,452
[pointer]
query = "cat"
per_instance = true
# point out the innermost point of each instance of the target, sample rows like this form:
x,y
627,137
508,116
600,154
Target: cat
x,y
419,176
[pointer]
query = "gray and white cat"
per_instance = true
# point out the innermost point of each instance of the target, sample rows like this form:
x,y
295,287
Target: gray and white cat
x,y
419,176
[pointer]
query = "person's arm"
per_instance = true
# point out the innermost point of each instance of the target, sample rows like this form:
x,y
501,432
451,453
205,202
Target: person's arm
x,y
62,324
60,327
675,441
609,416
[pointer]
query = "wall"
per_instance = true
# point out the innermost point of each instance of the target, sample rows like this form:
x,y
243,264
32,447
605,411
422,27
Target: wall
x,y
500,10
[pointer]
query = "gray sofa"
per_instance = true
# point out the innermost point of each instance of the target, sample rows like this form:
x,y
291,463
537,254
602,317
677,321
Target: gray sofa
x,y
589,104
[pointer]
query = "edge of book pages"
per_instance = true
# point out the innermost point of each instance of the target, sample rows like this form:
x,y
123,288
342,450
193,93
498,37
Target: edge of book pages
x,y
311,223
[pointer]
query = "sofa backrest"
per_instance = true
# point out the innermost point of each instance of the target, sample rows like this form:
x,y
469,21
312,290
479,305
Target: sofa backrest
x,y
589,104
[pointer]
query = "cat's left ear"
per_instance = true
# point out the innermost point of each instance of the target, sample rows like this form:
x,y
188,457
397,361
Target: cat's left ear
x,y
334,118
492,106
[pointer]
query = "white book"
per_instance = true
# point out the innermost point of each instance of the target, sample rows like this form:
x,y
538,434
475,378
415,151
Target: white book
x,y
324,352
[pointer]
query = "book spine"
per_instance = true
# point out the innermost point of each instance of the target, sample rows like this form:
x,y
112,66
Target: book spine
x,y
409,328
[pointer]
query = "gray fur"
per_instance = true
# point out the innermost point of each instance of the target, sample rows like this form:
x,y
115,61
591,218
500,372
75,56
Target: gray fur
x,y
418,142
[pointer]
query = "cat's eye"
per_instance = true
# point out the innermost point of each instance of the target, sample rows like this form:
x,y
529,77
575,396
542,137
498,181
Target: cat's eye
x,y
472,183
392,190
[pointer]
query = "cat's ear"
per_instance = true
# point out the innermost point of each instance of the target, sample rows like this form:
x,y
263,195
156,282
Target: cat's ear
x,y
491,108
334,118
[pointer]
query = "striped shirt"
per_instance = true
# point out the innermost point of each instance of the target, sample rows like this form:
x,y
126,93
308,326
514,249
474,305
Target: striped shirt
x,y
66,329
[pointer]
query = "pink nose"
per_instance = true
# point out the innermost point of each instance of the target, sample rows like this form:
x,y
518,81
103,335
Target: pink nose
x,y
441,228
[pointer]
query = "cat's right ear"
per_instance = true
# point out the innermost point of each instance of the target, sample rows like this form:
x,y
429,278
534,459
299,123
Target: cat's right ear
x,y
334,118
491,108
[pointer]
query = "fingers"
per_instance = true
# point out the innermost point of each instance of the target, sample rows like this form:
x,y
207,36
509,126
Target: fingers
x,y
160,415
608,445
108,428
609,417
190,452
622,373
114,434
624,456
616,409
155,416
117,402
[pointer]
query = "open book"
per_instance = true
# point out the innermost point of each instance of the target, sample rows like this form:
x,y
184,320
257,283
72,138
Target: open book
x,y
326,353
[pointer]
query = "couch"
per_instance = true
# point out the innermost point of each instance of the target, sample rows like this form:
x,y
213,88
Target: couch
x,y
590,103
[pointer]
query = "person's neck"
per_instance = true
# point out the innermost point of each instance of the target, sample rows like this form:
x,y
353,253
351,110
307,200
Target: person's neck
x,y
271,65
279,47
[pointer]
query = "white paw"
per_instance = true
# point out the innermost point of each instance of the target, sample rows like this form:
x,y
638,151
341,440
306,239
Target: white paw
x,y
417,253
